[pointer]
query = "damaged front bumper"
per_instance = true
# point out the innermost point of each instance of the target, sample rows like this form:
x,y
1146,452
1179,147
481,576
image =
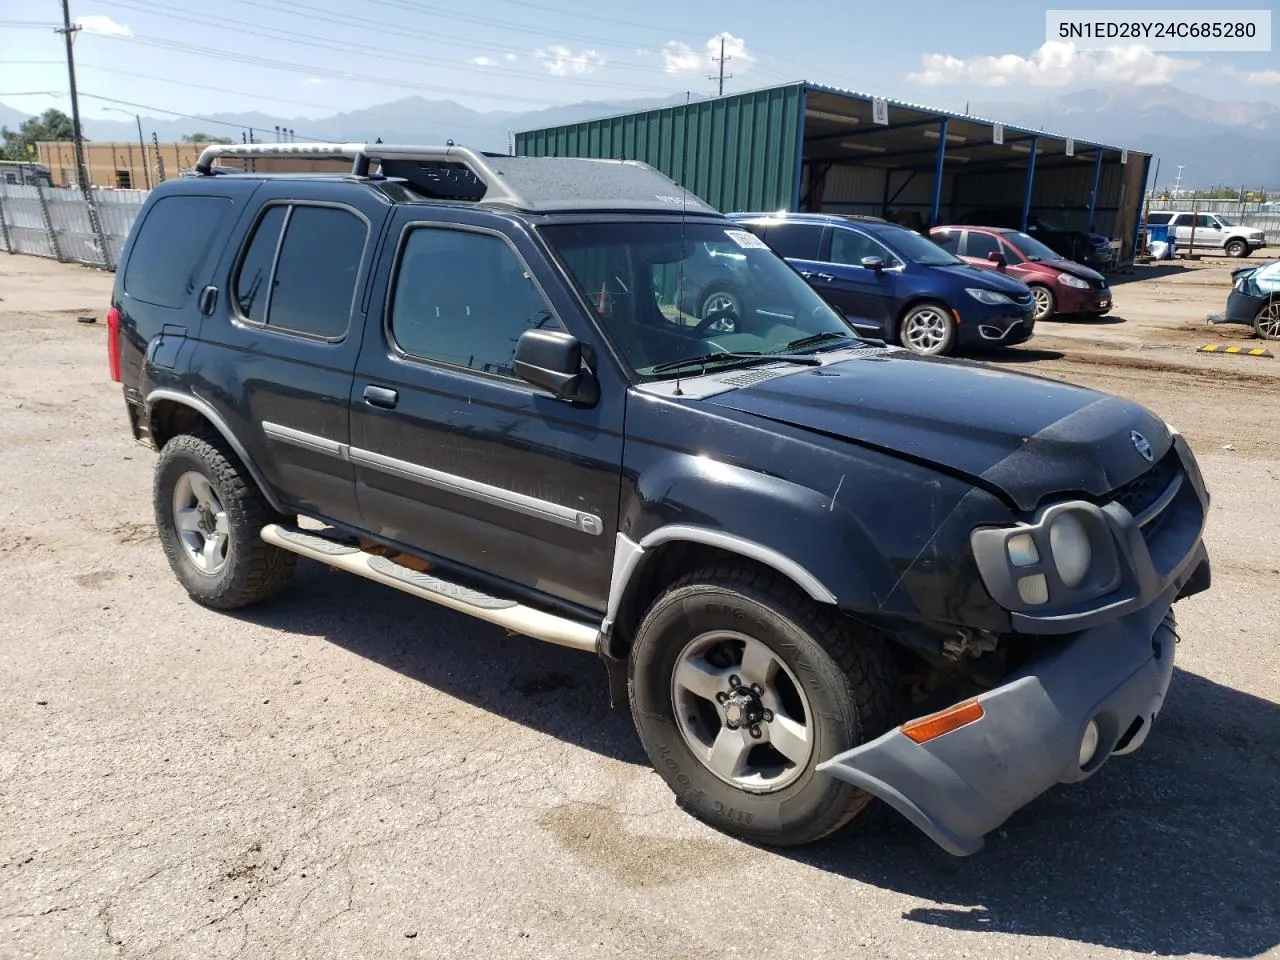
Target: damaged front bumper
x,y
1029,732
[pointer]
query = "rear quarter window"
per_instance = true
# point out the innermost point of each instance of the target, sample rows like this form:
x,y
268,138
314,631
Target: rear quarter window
x,y
172,248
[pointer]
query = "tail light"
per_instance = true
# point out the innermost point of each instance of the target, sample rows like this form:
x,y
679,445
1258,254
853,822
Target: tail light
x,y
113,343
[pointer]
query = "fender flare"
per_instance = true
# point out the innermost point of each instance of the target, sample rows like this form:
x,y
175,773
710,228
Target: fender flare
x,y
627,555
206,410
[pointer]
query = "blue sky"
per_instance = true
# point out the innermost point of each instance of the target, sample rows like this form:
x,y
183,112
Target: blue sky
x,y
299,58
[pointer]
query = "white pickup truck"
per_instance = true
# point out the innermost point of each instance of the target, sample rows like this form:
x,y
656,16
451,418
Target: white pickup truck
x,y
1211,230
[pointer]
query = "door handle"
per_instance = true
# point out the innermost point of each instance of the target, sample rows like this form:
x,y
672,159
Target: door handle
x,y
814,275
381,397
208,300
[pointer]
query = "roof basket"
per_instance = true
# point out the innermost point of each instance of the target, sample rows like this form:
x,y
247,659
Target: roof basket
x,y
532,184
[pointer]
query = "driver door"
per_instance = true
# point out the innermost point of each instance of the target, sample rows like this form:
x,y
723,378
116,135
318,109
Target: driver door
x,y
865,296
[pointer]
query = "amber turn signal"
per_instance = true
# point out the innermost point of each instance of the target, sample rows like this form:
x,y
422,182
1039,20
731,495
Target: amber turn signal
x,y
924,729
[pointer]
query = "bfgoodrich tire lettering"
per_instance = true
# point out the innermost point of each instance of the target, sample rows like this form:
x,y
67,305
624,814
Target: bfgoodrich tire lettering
x,y
848,684
245,569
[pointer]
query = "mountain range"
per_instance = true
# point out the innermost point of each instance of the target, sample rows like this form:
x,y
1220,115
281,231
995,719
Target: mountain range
x,y
1230,142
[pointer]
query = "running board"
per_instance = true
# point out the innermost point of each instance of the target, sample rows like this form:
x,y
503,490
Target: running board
x,y
500,611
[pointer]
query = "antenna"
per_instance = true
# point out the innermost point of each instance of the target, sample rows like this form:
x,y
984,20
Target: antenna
x,y
684,211
721,60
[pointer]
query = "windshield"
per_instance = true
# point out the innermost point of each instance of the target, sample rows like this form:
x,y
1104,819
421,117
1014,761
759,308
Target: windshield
x,y
666,291
911,246
1031,248
1225,222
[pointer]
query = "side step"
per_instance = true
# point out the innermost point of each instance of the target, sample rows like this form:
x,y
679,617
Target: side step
x,y
501,611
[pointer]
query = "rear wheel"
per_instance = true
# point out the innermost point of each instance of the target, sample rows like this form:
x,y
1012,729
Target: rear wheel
x,y
927,328
740,686
1237,248
1267,323
1046,303
209,515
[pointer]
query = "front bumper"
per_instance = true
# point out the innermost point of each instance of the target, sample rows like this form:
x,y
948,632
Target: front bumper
x,y
996,331
1076,300
965,783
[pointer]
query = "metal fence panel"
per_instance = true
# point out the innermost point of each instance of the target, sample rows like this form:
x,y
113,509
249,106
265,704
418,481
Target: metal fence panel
x,y
68,233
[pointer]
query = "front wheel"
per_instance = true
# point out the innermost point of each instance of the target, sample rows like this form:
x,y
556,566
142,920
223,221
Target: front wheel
x,y
927,328
1046,303
1237,248
722,305
740,686
1267,323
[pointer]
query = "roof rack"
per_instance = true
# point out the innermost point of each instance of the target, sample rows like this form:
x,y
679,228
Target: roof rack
x,y
532,184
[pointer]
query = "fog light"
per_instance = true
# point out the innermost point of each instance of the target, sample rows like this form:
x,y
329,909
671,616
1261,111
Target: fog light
x,y
1034,590
1022,551
1089,743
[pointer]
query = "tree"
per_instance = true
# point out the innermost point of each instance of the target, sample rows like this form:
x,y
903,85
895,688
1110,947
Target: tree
x,y
205,138
51,125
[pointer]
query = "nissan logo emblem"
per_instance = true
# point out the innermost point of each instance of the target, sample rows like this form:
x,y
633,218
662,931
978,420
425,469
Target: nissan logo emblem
x,y
1142,445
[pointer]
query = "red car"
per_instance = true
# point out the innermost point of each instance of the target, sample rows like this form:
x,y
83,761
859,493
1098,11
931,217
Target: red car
x,y
1060,286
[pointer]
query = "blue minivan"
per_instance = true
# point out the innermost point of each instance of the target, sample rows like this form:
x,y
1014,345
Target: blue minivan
x,y
893,283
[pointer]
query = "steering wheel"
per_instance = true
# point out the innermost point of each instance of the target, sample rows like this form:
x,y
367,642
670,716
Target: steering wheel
x,y
726,317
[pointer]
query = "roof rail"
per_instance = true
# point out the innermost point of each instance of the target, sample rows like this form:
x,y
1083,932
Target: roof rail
x,y
364,155
530,184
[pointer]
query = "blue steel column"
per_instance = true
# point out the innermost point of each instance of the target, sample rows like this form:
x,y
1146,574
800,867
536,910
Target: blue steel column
x,y
1093,191
1031,176
937,173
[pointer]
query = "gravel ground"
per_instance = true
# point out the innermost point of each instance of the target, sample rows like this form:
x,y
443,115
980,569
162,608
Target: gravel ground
x,y
348,772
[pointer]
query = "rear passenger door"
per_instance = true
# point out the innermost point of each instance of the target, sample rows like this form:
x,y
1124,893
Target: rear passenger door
x,y
280,349
453,454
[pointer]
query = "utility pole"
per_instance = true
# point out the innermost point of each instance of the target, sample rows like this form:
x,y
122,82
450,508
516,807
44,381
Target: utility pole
x,y
68,34
142,145
1177,181
721,60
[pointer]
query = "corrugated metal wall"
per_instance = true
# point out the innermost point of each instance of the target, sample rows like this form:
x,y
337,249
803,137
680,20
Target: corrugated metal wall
x,y
736,153
1054,190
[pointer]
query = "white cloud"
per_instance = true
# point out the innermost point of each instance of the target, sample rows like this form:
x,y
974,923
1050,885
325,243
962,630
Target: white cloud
x,y
98,23
1055,64
643,52
511,58
561,61
313,81
679,57
483,61
1256,78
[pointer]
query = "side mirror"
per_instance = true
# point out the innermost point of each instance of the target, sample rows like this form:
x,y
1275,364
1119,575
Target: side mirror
x,y
873,263
996,257
553,360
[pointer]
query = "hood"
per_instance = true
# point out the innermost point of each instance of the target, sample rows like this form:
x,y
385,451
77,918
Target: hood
x,y
973,276
1026,436
1075,269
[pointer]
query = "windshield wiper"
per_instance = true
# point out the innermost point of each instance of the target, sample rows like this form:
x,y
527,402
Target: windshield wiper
x,y
817,338
806,360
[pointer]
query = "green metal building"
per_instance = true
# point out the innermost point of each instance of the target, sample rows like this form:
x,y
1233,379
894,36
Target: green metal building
x,y
808,147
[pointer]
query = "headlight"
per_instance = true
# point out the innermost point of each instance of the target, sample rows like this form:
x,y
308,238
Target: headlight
x,y
1067,557
1070,280
1069,547
989,297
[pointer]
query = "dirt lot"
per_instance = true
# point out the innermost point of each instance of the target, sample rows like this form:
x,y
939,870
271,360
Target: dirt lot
x,y
347,772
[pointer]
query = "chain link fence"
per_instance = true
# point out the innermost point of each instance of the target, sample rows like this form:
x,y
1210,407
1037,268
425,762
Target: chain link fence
x,y
59,223
1246,214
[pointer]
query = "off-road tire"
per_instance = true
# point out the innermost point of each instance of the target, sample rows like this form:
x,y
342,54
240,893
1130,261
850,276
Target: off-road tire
x,y
849,679
254,570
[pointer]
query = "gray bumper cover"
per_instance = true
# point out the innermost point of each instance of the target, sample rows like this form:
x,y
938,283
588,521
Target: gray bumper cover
x,y
965,783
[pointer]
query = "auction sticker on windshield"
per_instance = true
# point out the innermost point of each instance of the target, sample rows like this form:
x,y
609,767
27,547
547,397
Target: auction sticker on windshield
x,y
746,239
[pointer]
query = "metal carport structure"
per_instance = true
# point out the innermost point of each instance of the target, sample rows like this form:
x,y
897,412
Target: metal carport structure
x,y
804,146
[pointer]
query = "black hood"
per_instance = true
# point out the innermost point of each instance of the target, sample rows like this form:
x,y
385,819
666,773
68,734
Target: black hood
x,y
1075,269
1027,436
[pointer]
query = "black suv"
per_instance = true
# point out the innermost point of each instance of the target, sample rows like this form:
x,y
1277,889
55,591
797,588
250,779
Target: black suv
x,y
820,568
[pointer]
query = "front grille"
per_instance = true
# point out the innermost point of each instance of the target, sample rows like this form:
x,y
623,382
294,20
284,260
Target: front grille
x,y
1142,491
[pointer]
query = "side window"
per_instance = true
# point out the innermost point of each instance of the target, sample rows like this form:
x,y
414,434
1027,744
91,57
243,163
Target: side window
x,y
464,298
849,247
1181,220
978,245
172,247
1203,221
1159,218
315,276
253,279
307,283
948,240
795,241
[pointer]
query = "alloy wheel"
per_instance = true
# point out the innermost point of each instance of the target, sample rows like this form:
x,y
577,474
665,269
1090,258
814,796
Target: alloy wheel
x,y
201,522
925,331
742,712
1267,325
1044,302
